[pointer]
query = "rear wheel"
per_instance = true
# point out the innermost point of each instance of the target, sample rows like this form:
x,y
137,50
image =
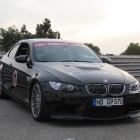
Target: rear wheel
x,y
37,103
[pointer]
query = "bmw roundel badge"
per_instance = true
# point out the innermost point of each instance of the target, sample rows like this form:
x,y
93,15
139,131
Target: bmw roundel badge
x,y
105,81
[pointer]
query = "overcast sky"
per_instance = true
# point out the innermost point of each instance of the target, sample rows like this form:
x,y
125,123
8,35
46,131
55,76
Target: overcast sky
x,y
109,24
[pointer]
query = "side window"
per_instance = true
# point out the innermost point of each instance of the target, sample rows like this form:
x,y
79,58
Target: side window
x,y
23,49
13,51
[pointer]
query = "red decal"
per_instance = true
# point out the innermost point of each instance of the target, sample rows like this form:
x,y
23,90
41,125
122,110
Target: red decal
x,y
14,78
51,44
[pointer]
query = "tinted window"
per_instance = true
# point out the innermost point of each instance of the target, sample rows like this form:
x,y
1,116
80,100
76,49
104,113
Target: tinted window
x,y
23,49
63,52
13,51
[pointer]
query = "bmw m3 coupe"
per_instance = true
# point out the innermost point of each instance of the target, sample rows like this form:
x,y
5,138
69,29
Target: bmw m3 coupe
x,y
67,80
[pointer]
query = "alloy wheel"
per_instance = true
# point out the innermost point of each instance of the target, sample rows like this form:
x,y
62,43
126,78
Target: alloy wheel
x,y
36,101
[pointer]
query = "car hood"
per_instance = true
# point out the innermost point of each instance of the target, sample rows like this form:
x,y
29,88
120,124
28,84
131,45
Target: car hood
x,y
82,73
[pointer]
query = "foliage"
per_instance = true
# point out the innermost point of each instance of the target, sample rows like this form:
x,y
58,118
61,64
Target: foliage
x,y
9,37
132,49
1,49
93,47
12,35
44,30
24,34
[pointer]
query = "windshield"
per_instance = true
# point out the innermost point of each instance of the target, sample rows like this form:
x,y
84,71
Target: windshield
x,y
64,52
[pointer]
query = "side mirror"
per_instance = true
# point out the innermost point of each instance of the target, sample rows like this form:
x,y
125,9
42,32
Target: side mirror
x,y
106,60
21,58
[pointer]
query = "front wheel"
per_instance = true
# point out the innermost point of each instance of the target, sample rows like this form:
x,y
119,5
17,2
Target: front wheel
x,y
37,103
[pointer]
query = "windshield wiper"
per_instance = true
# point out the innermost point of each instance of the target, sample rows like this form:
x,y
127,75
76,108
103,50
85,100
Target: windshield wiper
x,y
68,61
85,61
47,61
75,61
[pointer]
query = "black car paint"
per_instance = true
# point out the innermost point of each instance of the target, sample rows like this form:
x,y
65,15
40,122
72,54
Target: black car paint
x,y
81,73
61,104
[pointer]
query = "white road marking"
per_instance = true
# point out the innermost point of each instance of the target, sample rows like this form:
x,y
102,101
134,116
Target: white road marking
x,y
69,139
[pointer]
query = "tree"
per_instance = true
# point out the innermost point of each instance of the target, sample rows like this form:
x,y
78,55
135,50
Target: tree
x,y
24,34
44,30
132,49
9,37
12,35
93,47
1,49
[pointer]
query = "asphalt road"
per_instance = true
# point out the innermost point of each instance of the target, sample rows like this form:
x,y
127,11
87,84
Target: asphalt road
x,y
16,123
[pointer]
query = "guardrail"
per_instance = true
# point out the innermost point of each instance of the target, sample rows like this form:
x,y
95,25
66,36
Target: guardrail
x,y
128,63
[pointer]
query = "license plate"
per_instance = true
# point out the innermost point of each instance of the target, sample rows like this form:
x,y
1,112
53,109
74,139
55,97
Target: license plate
x,y
107,101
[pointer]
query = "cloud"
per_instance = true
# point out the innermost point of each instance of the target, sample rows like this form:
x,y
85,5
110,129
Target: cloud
x,y
116,44
61,13
109,24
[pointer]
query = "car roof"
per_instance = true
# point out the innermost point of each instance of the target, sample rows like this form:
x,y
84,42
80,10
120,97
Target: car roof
x,y
39,40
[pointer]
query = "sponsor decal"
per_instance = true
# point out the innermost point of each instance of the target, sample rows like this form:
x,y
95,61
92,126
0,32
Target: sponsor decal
x,y
81,45
14,78
51,44
79,73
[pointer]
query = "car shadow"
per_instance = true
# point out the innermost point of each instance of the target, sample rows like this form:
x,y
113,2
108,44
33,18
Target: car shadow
x,y
91,123
17,105
74,123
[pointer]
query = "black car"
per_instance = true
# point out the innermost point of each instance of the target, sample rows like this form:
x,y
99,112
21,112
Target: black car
x,y
67,80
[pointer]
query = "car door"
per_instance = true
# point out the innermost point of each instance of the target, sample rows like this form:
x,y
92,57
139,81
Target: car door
x,y
20,76
7,67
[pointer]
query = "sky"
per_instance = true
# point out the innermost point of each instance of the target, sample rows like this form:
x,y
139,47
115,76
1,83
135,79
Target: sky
x,y
109,24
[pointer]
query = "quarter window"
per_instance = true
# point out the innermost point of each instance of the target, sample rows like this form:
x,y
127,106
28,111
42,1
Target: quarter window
x,y
13,51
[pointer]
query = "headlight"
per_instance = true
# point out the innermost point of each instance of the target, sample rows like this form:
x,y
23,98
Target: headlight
x,y
134,87
63,86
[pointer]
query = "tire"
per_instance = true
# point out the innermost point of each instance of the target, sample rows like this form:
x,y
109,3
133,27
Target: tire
x,y
38,103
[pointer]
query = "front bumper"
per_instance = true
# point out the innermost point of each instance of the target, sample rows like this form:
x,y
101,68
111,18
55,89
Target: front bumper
x,y
55,115
78,106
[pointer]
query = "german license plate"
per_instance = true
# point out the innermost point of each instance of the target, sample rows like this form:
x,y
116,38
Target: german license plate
x,y
107,101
